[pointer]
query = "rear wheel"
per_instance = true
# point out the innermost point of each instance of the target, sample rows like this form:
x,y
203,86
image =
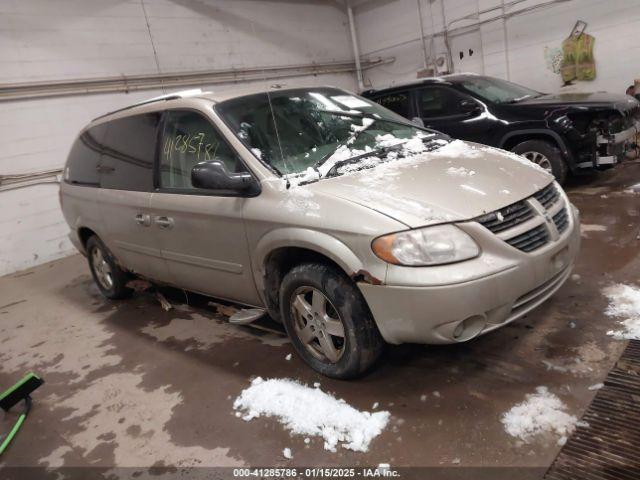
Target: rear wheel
x,y
109,277
328,321
544,154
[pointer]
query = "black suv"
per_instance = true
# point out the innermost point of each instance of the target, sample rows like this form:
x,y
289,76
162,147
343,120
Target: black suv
x,y
570,132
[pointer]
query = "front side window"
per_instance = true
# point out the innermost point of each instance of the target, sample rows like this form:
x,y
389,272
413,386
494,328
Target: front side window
x,y
306,130
497,91
188,139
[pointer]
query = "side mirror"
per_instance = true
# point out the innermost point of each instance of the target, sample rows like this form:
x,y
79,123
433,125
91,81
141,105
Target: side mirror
x,y
215,176
469,106
417,121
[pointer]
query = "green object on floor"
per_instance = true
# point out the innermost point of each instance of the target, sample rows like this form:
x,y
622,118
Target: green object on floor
x,y
20,391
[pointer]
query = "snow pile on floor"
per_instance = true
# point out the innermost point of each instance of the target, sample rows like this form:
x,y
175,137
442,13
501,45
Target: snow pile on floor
x,y
633,189
541,413
624,302
310,411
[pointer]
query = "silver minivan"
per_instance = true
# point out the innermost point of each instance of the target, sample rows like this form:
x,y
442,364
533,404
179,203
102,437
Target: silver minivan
x,y
342,220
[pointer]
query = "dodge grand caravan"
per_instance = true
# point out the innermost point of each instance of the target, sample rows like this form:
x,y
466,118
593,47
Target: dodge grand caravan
x,y
342,220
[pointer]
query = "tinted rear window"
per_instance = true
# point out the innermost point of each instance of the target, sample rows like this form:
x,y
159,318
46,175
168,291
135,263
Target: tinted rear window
x,y
129,151
84,158
397,102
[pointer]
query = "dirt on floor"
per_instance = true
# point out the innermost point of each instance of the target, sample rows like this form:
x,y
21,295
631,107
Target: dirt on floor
x,y
129,384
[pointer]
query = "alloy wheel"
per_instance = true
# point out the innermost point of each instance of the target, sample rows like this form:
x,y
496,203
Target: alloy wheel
x,y
539,159
317,324
102,269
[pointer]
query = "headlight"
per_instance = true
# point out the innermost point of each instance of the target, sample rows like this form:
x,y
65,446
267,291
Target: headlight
x,y
426,246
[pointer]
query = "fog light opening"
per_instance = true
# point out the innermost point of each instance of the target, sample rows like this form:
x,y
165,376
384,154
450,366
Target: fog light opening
x,y
458,331
469,328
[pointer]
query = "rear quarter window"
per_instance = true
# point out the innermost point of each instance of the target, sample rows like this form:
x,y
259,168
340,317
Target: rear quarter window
x,y
84,158
129,152
397,102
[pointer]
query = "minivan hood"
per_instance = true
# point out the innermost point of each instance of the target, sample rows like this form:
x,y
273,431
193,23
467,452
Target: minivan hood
x,y
459,181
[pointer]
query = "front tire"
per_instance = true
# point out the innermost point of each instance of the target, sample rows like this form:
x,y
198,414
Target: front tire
x,y
109,277
546,155
328,321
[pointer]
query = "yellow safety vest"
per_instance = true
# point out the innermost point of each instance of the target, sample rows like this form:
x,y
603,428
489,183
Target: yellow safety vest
x,y
577,61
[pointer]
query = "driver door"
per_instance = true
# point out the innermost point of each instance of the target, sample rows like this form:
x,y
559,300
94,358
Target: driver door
x,y
453,113
201,232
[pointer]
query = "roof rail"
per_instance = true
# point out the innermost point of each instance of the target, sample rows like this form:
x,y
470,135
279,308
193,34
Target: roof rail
x,y
194,92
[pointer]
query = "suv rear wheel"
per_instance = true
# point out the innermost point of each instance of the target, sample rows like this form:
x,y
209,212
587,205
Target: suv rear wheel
x,y
546,155
328,321
109,277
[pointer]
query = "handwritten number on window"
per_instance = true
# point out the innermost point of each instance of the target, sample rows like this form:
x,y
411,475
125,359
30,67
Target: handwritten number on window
x,y
191,143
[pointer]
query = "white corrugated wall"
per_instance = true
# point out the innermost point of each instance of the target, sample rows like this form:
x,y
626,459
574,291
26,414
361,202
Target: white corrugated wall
x,y
42,40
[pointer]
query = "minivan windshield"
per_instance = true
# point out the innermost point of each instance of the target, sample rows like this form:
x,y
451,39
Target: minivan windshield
x,y
320,129
496,90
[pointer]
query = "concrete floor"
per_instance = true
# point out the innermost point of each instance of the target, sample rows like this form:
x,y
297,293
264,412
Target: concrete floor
x,y
129,384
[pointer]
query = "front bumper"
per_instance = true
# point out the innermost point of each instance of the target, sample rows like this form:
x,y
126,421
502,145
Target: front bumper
x,y
515,283
610,149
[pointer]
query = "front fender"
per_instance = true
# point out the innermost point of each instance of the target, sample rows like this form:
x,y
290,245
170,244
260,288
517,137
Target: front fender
x,y
318,242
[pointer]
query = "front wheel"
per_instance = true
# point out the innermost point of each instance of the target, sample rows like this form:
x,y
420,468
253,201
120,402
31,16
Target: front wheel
x,y
328,321
545,155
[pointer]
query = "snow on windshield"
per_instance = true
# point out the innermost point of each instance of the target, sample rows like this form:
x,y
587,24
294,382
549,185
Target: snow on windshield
x,y
409,148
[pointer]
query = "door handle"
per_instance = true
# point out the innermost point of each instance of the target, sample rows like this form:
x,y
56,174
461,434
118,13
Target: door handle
x,y
143,219
164,222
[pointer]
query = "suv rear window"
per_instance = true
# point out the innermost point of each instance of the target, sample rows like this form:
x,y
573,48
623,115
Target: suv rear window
x,y
84,158
397,102
129,151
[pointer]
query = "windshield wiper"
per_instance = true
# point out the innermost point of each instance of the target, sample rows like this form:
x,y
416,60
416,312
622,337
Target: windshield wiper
x,y
356,134
352,138
356,158
384,150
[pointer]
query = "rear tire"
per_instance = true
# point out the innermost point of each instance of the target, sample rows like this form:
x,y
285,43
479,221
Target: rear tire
x,y
109,277
546,155
328,321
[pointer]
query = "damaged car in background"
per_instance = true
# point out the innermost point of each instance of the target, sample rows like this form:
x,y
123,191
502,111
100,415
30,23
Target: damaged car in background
x,y
342,220
563,133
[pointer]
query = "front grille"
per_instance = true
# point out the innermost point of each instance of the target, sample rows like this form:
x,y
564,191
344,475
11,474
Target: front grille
x,y
506,217
561,219
531,240
537,236
547,196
